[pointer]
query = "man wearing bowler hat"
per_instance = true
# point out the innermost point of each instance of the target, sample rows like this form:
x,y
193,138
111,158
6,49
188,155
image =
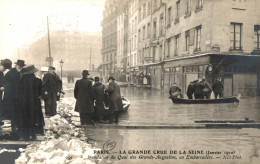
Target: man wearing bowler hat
x,y
115,101
84,95
51,89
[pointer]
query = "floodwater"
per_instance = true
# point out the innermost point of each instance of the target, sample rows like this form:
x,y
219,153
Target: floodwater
x,y
153,107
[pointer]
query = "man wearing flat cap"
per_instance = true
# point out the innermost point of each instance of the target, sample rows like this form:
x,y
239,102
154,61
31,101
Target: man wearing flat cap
x,y
115,100
84,95
11,80
51,89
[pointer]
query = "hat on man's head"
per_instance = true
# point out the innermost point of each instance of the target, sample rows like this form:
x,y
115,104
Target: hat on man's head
x,y
96,79
52,68
195,81
111,78
20,63
30,69
7,63
85,72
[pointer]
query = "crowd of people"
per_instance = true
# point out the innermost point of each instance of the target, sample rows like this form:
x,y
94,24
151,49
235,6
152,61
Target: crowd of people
x,y
95,102
199,89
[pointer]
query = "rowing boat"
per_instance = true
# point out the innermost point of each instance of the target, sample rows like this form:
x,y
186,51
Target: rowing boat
x,y
176,100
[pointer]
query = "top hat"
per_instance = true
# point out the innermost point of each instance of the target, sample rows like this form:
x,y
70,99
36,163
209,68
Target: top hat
x,y
30,69
96,79
85,72
111,78
20,63
52,68
7,63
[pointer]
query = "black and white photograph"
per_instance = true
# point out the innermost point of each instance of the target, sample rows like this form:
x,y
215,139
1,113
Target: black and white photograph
x,y
129,81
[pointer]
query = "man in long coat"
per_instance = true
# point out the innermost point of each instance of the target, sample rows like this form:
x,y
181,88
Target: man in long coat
x,y
190,90
30,117
218,88
11,80
51,89
99,93
115,100
197,90
83,93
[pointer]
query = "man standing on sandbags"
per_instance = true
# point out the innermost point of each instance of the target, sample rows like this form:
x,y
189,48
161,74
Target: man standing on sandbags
x,y
84,95
51,90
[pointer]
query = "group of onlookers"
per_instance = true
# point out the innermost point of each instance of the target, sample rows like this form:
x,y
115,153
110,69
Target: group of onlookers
x,y
199,89
94,101
21,93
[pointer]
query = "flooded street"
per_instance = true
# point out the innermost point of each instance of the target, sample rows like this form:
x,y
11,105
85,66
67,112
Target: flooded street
x,y
153,107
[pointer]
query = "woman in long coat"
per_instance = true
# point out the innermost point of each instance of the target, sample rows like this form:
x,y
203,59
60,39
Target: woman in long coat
x,y
83,93
115,100
30,117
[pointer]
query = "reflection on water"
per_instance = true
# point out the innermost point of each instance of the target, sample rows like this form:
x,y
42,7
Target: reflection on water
x,y
214,140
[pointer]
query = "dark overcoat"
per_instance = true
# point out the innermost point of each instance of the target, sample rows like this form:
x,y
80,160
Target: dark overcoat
x,y
83,93
190,89
99,92
1,92
11,80
29,103
115,100
218,87
51,84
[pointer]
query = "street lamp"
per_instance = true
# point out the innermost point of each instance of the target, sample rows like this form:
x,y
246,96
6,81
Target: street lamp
x,y
61,64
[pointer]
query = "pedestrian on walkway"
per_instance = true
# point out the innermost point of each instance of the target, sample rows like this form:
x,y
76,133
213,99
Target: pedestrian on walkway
x,y
30,117
51,90
218,88
99,98
11,80
115,101
84,95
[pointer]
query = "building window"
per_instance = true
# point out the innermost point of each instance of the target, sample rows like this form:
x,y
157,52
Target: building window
x,y
154,29
155,4
235,40
144,10
169,15
188,7
177,37
139,34
161,24
177,9
198,37
257,37
200,3
168,48
187,40
148,30
143,32
149,8
139,15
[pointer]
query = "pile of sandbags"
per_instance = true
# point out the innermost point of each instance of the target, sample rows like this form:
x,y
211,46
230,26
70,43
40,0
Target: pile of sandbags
x,y
63,143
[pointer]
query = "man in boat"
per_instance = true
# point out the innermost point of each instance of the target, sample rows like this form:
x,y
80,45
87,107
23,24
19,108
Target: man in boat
x,y
218,88
190,90
115,101
197,87
206,91
175,91
84,95
51,90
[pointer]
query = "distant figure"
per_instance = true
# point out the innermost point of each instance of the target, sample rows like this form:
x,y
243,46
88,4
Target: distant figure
x,y
72,78
29,116
190,90
99,93
197,87
69,78
175,91
218,88
115,100
206,91
51,90
84,95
